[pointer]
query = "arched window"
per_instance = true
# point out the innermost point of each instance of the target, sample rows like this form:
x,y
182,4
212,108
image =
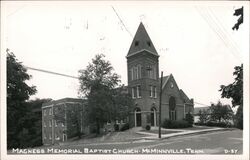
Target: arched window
x,y
153,116
172,108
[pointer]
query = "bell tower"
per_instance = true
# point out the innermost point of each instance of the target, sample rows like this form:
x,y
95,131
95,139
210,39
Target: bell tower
x,y
143,78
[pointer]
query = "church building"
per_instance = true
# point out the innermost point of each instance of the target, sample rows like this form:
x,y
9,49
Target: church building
x,y
144,85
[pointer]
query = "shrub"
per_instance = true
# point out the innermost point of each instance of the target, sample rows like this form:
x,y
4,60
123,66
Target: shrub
x,y
116,127
125,127
176,124
167,123
217,124
148,127
189,118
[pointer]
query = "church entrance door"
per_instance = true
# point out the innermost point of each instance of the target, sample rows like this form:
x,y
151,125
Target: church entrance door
x,y
138,117
153,117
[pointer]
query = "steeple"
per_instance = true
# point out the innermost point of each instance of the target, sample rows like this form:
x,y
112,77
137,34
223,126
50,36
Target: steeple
x,y
141,42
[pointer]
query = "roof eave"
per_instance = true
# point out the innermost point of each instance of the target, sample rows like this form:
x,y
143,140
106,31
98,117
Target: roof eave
x,y
132,54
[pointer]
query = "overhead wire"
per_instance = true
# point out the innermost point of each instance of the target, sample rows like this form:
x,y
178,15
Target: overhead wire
x,y
51,72
209,21
121,21
69,76
231,46
234,45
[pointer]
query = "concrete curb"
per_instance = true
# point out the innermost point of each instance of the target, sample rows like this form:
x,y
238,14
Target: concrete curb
x,y
188,133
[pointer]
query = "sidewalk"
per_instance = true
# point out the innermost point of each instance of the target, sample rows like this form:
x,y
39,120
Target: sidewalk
x,y
154,136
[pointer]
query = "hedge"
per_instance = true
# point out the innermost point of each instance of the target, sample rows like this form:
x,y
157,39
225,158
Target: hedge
x,y
125,127
215,124
176,124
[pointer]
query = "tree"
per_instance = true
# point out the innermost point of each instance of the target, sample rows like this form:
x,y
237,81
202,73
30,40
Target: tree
x,y
18,92
97,83
221,112
238,12
189,118
203,116
235,91
34,125
123,103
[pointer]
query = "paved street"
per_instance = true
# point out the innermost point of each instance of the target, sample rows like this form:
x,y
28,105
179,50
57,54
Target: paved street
x,y
220,142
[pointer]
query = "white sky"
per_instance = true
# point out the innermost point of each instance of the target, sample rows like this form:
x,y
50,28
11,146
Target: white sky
x,y
195,41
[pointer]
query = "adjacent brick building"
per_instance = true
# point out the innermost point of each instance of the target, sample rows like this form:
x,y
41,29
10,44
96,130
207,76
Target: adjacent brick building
x,y
62,119
144,83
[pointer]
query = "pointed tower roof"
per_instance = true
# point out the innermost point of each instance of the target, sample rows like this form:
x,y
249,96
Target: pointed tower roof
x,y
141,42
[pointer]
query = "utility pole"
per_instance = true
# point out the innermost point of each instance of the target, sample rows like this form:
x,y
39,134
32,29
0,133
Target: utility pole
x,y
160,106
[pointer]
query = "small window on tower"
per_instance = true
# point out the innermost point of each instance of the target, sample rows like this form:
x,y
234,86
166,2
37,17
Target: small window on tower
x,y
136,43
149,44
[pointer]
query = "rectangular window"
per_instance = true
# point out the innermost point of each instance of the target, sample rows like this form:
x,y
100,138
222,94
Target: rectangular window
x,y
50,123
138,91
44,124
139,71
151,71
50,137
151,91
135,73
55,123
133,93
44,112
132,74
154,72
50,111
44,136
172,115
155,92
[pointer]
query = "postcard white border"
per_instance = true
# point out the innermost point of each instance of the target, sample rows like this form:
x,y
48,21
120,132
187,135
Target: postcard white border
x,y
245,155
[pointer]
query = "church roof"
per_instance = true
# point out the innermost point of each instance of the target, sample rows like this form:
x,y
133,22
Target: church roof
x,y
184,96
164,80
141,42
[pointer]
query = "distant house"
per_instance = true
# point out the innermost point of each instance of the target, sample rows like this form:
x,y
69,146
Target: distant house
x,y
208,112
202,109
57,120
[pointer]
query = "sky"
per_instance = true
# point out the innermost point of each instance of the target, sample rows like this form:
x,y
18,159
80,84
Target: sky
x,y
195,41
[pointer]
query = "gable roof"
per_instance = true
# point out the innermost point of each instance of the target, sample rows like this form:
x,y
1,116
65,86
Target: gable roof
x,y
184,96
141,42
164,80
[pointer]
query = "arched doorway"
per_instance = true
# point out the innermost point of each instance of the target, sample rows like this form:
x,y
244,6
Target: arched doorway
x,y
172,108
153,116
137,117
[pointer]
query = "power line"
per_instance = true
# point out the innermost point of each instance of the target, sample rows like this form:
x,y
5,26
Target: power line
x,y
69,76
221,30
229,38
209,20
51,72
121,21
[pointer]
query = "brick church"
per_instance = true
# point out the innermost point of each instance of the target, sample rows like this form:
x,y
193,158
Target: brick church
x,y
144,83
